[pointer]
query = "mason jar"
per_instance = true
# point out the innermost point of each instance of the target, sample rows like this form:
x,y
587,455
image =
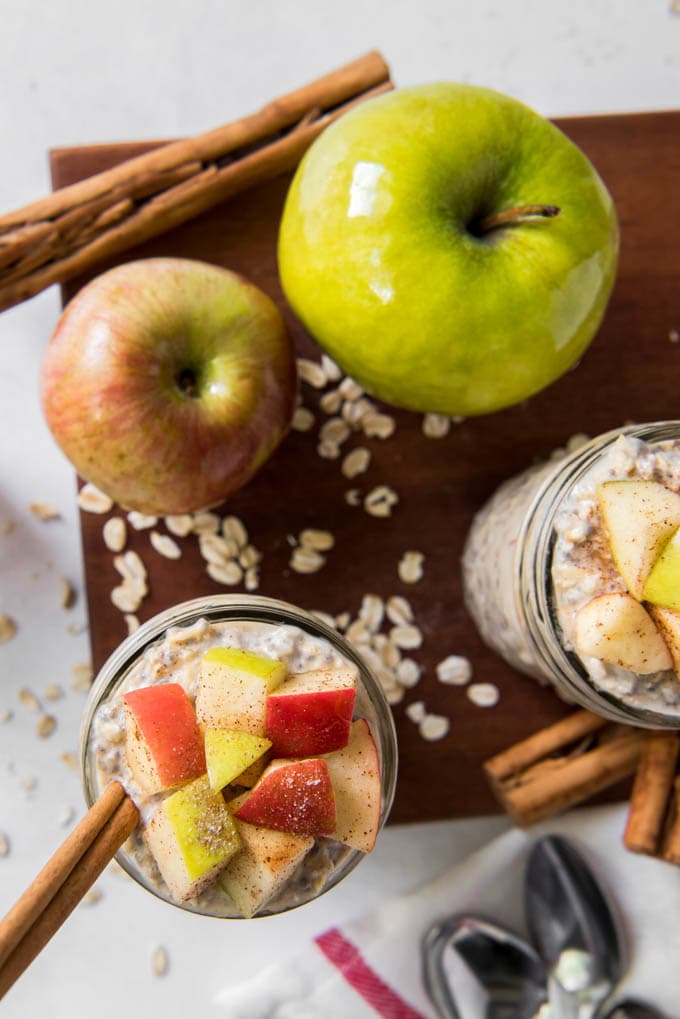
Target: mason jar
x,y
371,704
509,587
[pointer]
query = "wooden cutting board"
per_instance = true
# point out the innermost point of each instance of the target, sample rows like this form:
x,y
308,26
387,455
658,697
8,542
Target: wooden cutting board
x,y
632,372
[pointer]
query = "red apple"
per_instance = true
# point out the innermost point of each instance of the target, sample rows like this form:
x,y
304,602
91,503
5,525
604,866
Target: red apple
x,y
163,744
355,775
311,713
168,383
292,796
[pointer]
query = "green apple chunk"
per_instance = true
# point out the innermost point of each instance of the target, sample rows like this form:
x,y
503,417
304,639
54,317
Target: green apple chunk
x,y
265,862
639,517
409,250
228,754
662,586
617,629
192,837
168,382
233,688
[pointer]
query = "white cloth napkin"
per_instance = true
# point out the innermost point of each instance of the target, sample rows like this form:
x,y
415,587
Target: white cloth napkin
x,y
372,966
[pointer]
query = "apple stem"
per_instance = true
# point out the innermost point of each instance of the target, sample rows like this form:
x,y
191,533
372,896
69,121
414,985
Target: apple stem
x,y
514,217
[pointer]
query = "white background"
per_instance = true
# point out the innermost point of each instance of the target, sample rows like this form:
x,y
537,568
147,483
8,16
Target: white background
x,y
74,71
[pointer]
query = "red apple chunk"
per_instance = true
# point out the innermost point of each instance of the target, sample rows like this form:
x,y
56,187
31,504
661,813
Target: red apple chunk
x,y
292,796
163,743
311,713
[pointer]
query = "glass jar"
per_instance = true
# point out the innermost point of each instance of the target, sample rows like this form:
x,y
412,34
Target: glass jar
x,y
371,704
508,585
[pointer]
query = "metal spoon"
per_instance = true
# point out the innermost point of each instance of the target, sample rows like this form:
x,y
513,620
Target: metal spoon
x,y
475,969
633,1010
572,927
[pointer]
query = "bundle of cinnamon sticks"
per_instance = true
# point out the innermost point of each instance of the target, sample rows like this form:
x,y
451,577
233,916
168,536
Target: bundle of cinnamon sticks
x,y
62,235
653,825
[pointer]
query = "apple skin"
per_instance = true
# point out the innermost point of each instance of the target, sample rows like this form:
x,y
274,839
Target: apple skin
x,y
377,259
116,375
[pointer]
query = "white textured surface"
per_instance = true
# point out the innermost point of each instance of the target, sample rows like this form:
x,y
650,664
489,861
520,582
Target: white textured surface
x,y
78,71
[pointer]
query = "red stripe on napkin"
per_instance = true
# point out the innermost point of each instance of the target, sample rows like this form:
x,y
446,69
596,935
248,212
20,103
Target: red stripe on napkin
x,y
347,958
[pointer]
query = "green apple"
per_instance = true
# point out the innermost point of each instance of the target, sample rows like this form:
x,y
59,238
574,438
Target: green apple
x,y
450,248
663,583
229,753
639,517
233,687
168,382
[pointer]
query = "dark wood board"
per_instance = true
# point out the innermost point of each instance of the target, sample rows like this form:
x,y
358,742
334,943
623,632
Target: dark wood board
x,y
629,373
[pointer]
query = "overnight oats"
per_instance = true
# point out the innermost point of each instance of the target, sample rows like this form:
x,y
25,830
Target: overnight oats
x,y
572,573
259,750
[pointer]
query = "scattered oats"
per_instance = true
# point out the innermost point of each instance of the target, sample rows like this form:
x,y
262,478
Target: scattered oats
x,y
82,676
484,695
436,426
234,529
353,497
165,545
372,612
126,598
342,620
92,500
311,373
159,962
179,524
70,760
249,557
7,526
358,633
434,727
53,692
408,673
131,568
131,622
7,629
328,450
292,540
674,335
331,402
410,568
355,412
4,844
141,521
390,654
334,430
216,549
66,816
416,711
380,500
29,699
68,593
578,440
303,420
43,511
320,541
114,532
29,783
398,610
6,715
356,462
46,726
454,671
306,560
75,629
457,419
206,523
252,579
324,617
406,637
331,370
92,897
378,426
225,573
350,390
394,695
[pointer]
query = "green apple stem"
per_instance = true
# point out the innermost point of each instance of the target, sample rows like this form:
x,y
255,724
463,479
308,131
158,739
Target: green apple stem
x,y
514,217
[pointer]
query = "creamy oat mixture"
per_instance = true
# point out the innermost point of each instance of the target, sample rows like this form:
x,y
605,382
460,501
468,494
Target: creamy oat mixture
x,y
176,659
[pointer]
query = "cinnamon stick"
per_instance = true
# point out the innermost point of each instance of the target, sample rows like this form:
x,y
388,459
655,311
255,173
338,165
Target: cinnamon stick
x,y
651,792
108,841
65,233
671,842
555,737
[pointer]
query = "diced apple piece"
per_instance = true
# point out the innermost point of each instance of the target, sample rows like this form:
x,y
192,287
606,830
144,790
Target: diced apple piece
x,y
233,688
640,517
229,753
668,622
355,774
311,713
263,865
617,629
163,743
663,583
252,775
192,837
292,796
